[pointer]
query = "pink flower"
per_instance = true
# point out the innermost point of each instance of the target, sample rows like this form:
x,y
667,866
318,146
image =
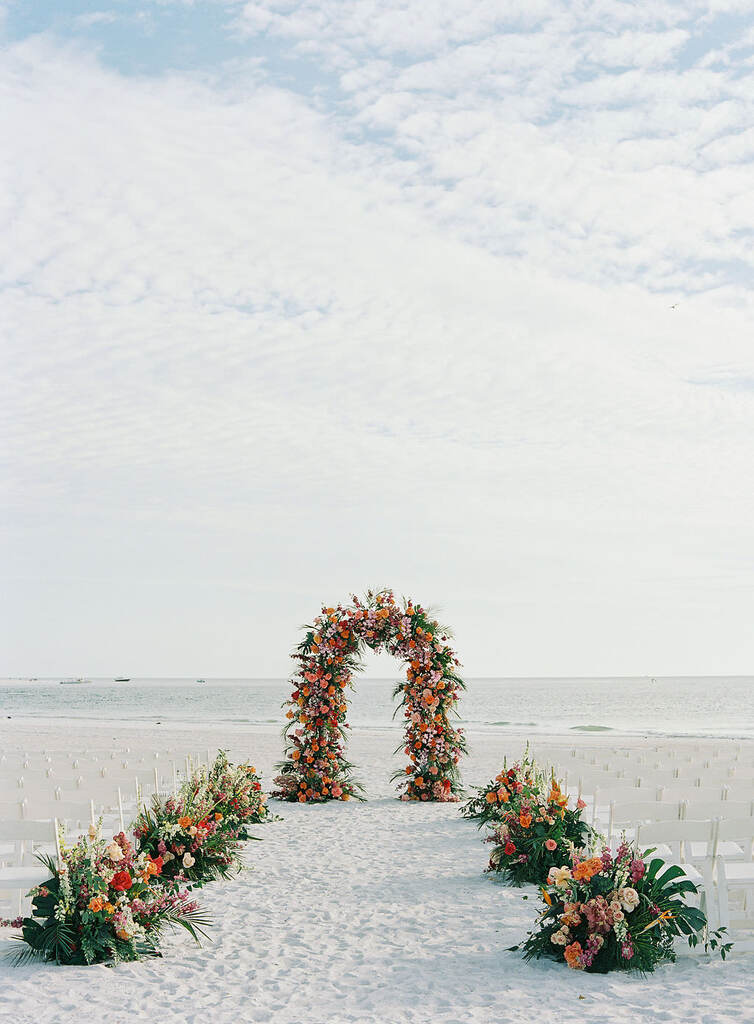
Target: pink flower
x,y
637,870
551,844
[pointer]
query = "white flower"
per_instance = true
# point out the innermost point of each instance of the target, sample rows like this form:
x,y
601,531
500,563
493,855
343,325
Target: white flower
x,y
560,937
559,876
629,899
167,857
114,852
188,860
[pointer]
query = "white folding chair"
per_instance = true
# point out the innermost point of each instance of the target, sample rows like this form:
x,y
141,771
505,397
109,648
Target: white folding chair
x,y
736,876
714,809
672,842
28,837
630,813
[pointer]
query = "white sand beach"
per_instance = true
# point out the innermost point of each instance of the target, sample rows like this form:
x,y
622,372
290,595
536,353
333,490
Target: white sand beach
x,y
373,913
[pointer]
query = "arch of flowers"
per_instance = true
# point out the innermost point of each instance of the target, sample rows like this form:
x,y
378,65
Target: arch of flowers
x,y
315,767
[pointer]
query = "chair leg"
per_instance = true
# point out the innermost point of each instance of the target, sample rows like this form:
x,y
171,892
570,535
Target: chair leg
x,y
710,901
722,895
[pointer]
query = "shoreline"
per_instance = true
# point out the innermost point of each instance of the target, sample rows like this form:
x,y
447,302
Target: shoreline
x,y
574,733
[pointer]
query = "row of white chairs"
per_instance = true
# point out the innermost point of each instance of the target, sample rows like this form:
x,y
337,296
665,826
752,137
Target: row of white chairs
x,y
626,816
718,855
30,820
599,800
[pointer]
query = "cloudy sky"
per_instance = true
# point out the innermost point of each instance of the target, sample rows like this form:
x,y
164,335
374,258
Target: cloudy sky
x,y
302,297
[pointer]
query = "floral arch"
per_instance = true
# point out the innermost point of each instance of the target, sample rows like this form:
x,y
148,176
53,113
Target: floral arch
x,y
315,768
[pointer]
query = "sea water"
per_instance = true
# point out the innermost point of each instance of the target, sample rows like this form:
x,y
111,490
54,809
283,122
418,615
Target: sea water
x,y
696,706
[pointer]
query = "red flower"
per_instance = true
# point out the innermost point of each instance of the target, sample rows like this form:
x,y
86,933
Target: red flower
x,y
510,848
121,881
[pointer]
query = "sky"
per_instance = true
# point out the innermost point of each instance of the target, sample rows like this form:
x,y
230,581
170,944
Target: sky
x,y
301,298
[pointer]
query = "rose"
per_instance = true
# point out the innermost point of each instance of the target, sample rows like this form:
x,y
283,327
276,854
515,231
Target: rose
x,y
629,899
188,860
510,848
121,881
551,845
114,852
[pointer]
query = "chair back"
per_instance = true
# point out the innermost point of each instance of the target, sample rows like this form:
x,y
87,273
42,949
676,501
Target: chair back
x,y
27,835
674,835
739,831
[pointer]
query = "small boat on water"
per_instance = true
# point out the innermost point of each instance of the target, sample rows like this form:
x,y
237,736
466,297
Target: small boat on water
x,y
73,682
122,679
201,680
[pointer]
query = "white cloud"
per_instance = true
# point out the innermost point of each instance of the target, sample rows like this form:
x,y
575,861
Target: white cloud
x,y
255,351
502,123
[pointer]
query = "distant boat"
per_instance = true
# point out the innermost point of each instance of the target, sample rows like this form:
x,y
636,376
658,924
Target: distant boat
x,y
73,682
122,679
201,680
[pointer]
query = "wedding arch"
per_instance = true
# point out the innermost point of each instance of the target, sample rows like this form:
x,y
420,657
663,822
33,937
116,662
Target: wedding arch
x,y
315,768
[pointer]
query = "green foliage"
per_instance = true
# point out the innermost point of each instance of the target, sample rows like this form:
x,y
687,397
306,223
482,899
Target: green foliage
x,y
624,913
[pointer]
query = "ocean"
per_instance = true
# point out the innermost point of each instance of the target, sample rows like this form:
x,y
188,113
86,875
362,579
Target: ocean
x,y
669,706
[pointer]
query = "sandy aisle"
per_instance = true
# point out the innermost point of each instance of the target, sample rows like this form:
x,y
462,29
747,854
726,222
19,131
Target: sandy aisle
x,y
366,913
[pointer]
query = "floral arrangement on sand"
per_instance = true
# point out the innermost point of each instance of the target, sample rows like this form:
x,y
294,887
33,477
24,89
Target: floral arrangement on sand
x,y
316,768
533,824
104,903
489,802
237,791
536,834
607,913
198,833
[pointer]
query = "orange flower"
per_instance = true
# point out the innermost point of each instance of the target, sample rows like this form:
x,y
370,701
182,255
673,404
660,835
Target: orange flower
x,y
218,816
587,869
525,820
96,904
491,797
572,954
295,755
503,795
185,821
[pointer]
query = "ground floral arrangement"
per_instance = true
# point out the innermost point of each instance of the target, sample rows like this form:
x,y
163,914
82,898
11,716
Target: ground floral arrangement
x,y
198,834
107,902
605,913
533,826
601,912
316,768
